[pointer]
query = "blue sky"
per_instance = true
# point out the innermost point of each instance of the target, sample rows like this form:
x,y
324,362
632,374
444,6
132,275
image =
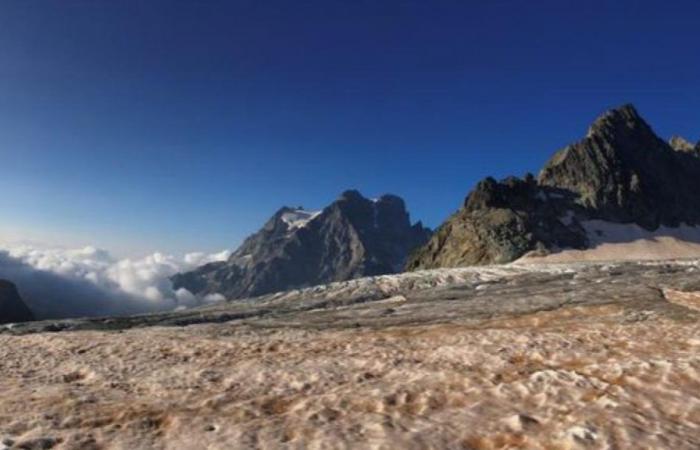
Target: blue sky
x,y
182,125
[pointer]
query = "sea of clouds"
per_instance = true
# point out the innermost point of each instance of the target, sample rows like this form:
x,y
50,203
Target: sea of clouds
x,y
60,282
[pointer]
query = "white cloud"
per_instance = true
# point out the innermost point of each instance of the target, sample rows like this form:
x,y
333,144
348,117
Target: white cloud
x,y
197,259
213,298
112,286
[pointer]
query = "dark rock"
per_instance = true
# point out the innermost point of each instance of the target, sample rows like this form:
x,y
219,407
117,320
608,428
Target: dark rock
x,y
42,443
12,308
500,222
350,238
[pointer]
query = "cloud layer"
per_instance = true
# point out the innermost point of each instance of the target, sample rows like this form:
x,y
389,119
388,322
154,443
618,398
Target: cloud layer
x,y
57,282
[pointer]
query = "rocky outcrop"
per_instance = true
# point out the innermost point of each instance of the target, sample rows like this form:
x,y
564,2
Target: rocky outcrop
x,y
680,144
350,238
499,222
12,308
620,172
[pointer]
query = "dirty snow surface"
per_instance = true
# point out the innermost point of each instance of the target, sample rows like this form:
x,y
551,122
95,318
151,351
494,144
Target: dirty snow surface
x,y
545,356
618,241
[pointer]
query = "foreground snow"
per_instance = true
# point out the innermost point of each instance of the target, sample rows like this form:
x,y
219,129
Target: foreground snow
x,y
521,356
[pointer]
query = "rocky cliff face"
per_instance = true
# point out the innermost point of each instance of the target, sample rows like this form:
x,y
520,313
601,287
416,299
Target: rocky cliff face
x,y
12,308
620,172
350,238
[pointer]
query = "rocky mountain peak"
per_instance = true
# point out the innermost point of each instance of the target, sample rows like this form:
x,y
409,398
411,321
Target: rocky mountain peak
x,y
618,123
510,192
351,195
621,169
390,199
621,172
391,211
353,236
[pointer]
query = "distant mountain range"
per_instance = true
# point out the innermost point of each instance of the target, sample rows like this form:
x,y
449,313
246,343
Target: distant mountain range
x,y
352,237
620,173
621,176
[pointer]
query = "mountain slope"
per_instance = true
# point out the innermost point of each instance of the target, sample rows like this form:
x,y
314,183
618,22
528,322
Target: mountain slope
x,y
12,308
621,173
350,238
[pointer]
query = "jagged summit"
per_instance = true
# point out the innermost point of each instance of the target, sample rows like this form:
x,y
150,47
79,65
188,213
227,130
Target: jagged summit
x,y
351,195
621,172
618,122
352,237
624,172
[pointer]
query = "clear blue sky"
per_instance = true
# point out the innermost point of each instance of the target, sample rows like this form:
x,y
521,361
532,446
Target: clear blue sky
x,y
182,125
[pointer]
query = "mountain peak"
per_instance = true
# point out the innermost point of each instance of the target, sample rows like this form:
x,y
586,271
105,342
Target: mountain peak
x,y
622,120
618,168
621,173
351,195
352,237
391,199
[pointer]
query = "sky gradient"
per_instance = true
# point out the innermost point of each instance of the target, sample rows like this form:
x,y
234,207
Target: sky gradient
x,y
183,125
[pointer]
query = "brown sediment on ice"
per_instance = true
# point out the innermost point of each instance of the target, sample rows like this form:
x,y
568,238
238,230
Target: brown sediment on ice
x,y
567,356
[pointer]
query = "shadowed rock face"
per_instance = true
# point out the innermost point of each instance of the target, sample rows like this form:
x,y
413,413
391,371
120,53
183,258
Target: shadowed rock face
x,y
352,237
620,172
12,308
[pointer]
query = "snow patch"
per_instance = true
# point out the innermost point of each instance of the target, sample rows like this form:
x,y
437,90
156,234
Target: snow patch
x,y
609,241
298,218
602,232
